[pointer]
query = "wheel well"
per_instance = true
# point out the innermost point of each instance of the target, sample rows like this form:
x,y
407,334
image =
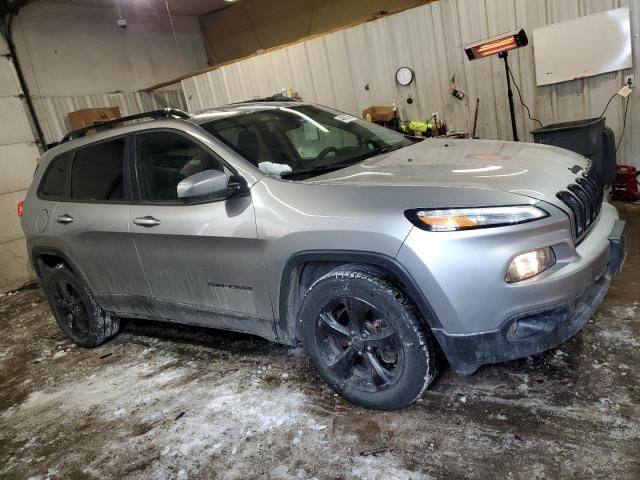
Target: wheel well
x,y
303,276
47,261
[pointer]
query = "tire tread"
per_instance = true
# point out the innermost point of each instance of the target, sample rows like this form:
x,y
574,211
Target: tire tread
x,y
381,281
105,325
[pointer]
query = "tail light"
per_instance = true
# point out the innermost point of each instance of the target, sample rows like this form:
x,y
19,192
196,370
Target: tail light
x,y
20,207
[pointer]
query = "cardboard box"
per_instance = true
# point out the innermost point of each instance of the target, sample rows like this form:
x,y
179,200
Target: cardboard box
x,y
378,114
91,116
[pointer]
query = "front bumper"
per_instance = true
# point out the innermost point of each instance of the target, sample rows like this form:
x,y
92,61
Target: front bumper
x,y
480,319
525,335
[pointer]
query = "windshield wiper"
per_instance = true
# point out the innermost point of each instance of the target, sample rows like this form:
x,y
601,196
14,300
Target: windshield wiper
x,y
318,169
387,149
337,166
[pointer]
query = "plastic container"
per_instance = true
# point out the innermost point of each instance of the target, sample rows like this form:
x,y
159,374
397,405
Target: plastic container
x,y
581,136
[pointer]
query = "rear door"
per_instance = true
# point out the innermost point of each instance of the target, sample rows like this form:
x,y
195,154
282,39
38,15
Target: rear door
x,y
91,224
202,260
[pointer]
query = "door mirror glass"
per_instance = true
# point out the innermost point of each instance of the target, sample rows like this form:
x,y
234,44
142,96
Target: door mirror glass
x,y
205,183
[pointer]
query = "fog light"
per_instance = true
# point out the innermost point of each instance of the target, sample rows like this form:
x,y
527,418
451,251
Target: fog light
x,y
530,264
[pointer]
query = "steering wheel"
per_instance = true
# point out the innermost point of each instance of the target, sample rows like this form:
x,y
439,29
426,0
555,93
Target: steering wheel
x,y
325,152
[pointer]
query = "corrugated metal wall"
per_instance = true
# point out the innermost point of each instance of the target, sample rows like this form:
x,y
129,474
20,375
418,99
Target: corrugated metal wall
x,y
53,111
334,69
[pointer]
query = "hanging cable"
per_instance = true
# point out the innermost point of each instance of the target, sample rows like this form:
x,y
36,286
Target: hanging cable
x,y
624,123
173,30
607,105
521,100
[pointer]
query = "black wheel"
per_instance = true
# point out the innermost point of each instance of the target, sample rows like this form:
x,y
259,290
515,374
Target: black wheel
x,y
365,338
77,313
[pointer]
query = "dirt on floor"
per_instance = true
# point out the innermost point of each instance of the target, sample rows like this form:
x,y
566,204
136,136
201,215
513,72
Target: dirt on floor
x,y
162,402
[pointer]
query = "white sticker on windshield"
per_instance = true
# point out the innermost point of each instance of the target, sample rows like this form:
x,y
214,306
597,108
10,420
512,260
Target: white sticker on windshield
x,y
346,118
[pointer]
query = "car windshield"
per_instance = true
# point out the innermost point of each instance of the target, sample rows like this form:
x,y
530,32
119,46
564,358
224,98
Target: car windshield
x,y
302,141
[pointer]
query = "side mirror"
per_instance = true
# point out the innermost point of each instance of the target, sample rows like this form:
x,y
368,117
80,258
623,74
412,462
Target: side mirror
x,y
206,183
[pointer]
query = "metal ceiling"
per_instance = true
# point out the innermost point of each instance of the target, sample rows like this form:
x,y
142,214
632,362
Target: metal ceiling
x,y
177,7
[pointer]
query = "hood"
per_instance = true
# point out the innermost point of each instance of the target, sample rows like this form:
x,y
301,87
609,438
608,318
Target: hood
x,y
533,170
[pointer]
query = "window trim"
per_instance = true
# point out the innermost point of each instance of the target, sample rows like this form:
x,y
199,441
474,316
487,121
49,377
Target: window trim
x,y
127,193
65,186
135,170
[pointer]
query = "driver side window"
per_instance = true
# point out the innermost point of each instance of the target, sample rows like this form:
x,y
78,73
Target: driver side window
x,y
164,159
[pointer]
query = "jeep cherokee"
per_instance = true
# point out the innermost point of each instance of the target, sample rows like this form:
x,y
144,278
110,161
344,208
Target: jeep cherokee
x,y
302,224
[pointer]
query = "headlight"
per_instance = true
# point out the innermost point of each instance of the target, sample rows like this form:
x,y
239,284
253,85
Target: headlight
x,y
530,264
453,219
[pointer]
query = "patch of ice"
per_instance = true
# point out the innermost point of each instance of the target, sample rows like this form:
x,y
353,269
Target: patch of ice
x,y
622,336
382,467
221,414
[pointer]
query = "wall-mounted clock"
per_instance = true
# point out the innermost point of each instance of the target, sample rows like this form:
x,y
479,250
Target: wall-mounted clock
x,y
404,76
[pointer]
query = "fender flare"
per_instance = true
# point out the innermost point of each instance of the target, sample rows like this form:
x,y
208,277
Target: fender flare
x,y
37,251
385,262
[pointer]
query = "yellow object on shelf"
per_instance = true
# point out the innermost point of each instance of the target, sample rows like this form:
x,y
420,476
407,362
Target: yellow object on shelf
x,y
421,127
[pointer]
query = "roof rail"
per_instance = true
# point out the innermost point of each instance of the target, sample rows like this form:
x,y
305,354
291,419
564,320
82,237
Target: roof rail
x,y
278,97
154,115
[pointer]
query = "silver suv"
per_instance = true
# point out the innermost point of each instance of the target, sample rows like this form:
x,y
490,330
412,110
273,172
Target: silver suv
x,y
302,224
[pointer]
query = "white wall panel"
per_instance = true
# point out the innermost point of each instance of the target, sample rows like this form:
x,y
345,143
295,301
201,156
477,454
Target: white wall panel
x,y
18,155
11,229
17,164
68,50
334,69
8,80
15,126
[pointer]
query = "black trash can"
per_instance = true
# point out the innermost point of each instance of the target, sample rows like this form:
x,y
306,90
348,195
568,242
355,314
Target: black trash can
x,y
585,137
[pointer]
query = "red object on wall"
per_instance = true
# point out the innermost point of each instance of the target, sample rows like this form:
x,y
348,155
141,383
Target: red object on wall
x,y
625,185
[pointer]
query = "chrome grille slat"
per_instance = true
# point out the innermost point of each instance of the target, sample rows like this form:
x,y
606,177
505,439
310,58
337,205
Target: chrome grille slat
x,y
584,199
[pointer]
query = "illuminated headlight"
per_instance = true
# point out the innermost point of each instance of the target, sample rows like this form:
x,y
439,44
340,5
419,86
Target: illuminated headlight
x,y
530,264
453,219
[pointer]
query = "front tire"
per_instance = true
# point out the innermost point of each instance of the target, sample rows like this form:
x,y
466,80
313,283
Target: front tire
x,y
77,313
365,338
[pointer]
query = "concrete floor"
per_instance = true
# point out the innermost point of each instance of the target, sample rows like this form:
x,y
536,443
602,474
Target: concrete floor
x,y
177,402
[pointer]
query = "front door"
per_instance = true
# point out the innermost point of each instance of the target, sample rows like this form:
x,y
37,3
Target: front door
x,y
202,260
91,225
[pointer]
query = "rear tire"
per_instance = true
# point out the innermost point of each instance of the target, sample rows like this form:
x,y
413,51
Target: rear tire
x,y
366,339
77,313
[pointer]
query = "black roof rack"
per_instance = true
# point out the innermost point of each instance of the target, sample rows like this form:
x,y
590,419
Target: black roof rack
x,y
155,114
278,97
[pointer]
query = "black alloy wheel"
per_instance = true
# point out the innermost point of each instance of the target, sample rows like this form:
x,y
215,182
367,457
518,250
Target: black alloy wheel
x,y
358,345
70,308
366,339
76,311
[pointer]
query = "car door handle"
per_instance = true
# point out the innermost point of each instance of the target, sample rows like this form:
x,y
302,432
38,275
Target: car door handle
x,y
147,221
64,219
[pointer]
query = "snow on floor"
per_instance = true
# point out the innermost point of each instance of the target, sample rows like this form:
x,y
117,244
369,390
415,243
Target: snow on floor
x,y
187,416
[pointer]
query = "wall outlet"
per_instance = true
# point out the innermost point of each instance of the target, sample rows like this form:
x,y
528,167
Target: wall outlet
x,y
630,81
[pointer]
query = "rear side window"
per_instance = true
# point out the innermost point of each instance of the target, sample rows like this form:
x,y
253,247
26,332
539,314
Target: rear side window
x,y
53,184
98,172
164,159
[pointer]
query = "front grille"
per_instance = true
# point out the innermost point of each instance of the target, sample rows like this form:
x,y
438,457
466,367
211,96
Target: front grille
x,y
584,199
